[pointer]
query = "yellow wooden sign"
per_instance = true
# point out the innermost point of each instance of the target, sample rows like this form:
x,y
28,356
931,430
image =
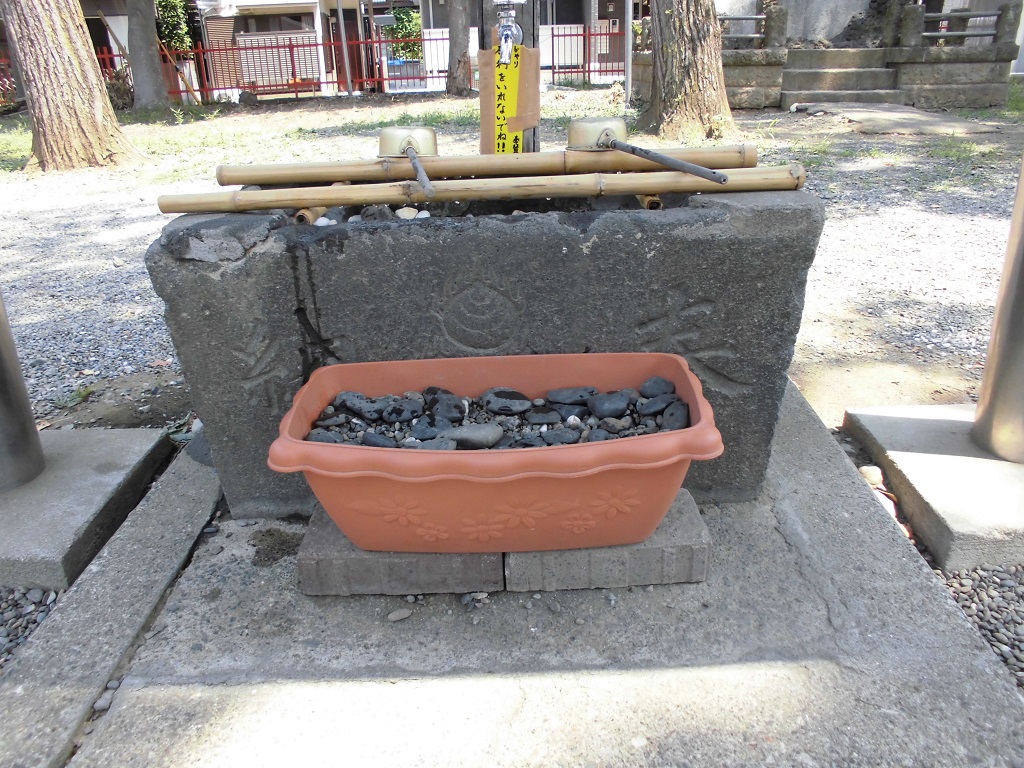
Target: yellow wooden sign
x,y
506,98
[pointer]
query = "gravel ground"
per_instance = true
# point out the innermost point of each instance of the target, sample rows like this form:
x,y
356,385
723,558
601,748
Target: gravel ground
x,y
898,309
21,611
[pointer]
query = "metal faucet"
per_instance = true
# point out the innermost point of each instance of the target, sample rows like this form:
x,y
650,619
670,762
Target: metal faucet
x,y
509,32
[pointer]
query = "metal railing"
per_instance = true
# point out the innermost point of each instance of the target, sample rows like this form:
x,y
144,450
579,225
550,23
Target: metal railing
x,y
568,54
956,26
8,87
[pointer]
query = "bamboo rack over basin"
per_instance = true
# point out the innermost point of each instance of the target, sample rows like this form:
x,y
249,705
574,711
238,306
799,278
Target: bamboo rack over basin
x,y
461,166
782,177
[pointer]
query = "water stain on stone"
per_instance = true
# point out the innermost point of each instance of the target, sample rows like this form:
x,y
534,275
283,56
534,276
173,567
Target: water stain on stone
x,y
212,595
272,545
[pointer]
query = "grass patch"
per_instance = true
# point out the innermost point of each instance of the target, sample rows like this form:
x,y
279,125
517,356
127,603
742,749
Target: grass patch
x,y
185,113
959,150
15,142
462,117
813,154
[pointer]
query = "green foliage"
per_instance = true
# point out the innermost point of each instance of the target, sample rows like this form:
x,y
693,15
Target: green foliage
x,y
408,26
172,24
15,142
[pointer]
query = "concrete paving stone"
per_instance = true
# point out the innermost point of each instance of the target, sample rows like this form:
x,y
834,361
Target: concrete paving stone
x,y
678,551
820,638
965,504
49,687
895,118
53,526
330,564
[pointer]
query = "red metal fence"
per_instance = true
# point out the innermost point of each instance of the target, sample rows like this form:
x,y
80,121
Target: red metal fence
x,y
296,67
8,88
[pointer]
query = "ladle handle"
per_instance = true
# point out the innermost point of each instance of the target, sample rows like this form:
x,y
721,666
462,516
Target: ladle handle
x,y
421,172
669,162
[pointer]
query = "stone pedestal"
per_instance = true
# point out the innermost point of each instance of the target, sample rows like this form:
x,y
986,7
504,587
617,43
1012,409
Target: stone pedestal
x,y
255,303
678,551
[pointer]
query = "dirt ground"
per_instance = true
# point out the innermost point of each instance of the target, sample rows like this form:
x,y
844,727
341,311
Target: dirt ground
x,y
845,355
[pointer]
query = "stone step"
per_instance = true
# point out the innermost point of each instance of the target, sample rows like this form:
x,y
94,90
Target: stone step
x,y
838,79
789,98
835,58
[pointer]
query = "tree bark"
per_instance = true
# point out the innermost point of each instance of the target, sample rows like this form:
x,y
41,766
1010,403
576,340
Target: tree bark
x,y
73,124
460,74
147,70
688,96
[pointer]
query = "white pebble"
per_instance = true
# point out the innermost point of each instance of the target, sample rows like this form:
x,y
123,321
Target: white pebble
x,y
355,219
401,613
873,475
423,215
406,213
323,221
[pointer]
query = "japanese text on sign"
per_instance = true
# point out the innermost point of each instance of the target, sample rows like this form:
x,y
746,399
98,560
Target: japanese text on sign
x,y
506,95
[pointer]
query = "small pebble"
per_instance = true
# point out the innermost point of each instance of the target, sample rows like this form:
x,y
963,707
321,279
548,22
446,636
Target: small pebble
x,y
872,474
401,613
104,701
581,622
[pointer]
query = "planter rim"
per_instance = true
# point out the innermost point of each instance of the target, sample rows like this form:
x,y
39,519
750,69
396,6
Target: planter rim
x,y
607,371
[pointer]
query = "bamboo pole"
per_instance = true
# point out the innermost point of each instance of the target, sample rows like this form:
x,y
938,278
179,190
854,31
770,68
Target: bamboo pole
x,y
650,202
310,215
781,177
459,166
181,75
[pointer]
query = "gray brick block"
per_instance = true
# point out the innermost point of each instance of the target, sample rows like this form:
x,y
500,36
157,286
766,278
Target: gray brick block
x,y
329,564
678,551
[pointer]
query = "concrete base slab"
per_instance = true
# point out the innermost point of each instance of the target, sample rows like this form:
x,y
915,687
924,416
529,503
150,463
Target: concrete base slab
x,y
330,564
48,690
965,504
53,526
895,118
820,637
678,551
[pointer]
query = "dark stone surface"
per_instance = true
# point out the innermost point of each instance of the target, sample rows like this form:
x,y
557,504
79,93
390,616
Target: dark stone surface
x,y
562,436
571,395
676,416
656,404
505,401
610,405
374,440
656,385
543,415
254,307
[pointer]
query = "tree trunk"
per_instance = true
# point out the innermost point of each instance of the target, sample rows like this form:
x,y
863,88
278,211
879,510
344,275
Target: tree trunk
x,y
460,74
73,124
688,97
147,69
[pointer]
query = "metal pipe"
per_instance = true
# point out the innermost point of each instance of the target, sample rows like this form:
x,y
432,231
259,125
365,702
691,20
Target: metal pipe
x,y
999,419
668,162
21,453
421,172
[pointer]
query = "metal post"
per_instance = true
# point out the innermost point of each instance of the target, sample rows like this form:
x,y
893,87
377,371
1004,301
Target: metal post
x,y
628,75
21,453
999,420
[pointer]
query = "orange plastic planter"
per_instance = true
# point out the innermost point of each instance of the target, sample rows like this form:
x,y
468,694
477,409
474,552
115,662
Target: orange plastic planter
x,y
513,500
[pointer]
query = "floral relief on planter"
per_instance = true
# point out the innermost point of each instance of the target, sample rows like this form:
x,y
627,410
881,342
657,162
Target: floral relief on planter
x,y
513,500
